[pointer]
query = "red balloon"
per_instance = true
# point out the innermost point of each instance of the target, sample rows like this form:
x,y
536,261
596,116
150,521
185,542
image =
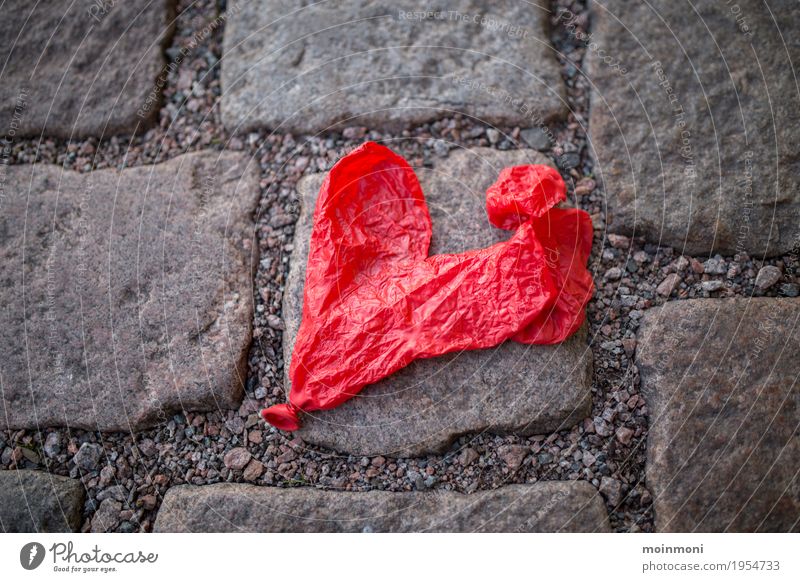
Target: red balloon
x,y
374,300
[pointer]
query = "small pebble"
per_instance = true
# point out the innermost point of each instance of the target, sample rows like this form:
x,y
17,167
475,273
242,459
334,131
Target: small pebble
x,y
612,490
468,456
585,187
237,459
618,241
712,286
768,275
715,266
88,456
253,470
624,435
668,285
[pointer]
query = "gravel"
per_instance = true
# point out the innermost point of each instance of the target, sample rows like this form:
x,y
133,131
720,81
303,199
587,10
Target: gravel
x,y
605,450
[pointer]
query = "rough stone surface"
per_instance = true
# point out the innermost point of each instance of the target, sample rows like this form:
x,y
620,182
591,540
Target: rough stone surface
x,y
35,501
372,64
83,68
125,295
698,152
720,380
512,388
544,507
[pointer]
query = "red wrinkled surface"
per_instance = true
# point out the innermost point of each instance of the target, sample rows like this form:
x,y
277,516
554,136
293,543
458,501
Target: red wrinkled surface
x,y
374,300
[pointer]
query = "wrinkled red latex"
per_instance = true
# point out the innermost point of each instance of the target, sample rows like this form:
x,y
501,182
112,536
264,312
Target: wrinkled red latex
x,y
374,300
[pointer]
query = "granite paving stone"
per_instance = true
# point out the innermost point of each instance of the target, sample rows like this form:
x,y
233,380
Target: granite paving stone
x,y
695,121
543,507
81,69
388,64
38,502
126,295
720,378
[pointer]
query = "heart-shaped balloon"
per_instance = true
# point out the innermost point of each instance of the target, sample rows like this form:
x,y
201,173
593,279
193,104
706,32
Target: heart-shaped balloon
x,y
374,300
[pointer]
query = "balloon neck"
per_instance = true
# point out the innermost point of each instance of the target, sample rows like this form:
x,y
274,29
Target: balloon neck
x,y
282,416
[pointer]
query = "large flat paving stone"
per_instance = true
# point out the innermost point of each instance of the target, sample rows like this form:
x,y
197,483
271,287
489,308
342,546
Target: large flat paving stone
x,y
720,377
512,388
35,501
126,295
385,64
696,141
544,507
83,68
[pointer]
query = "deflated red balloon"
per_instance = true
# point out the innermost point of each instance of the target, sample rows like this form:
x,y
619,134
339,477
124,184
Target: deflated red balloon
x,y
374,301
528,193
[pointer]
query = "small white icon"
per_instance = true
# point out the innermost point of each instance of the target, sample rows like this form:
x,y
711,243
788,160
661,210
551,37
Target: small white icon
x,y
31,555
34,551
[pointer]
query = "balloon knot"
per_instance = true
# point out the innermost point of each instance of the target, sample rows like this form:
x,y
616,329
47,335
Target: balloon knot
x,y
282,416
